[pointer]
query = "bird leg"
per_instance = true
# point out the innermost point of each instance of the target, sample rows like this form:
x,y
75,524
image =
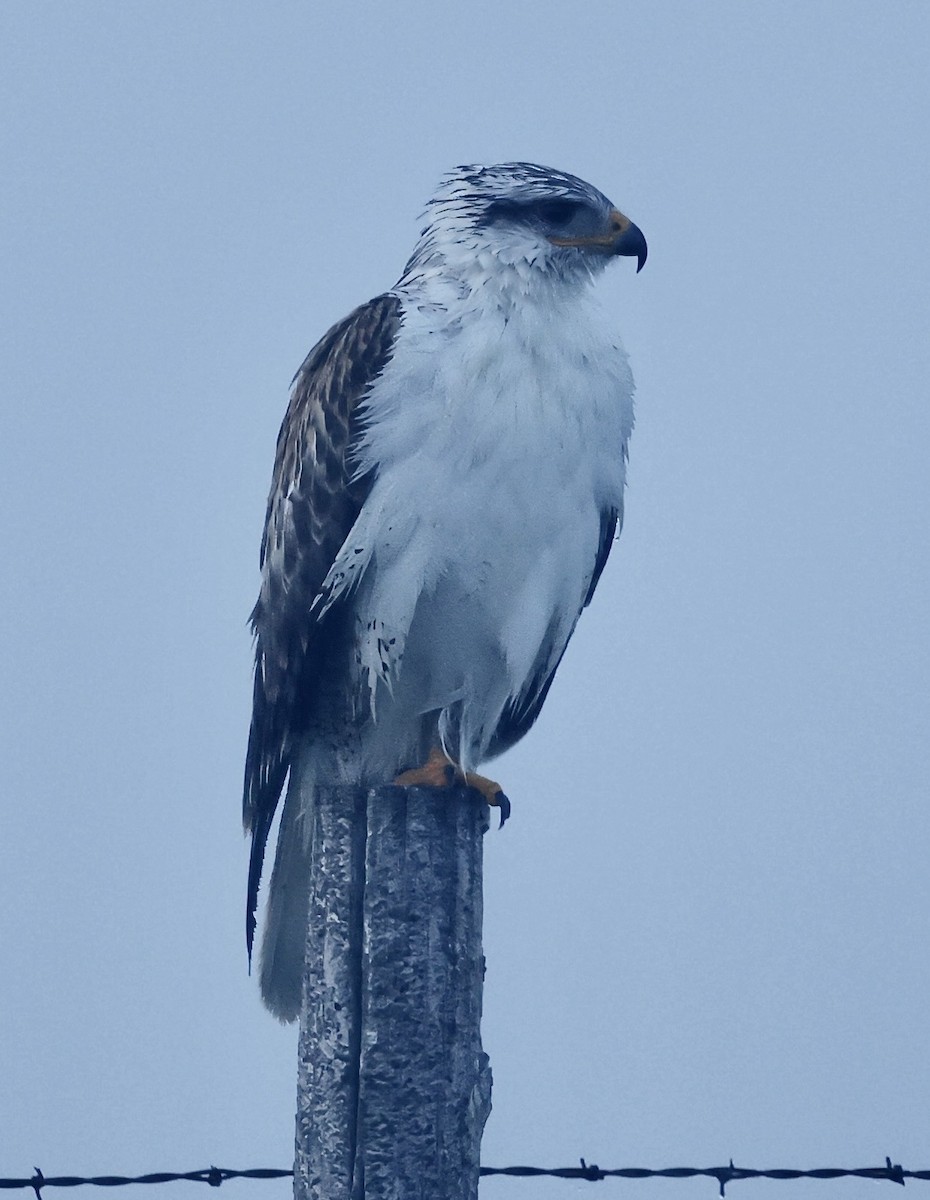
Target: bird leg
x,y
440,771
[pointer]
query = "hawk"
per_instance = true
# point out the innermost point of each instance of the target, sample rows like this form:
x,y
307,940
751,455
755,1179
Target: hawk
x,y
448,483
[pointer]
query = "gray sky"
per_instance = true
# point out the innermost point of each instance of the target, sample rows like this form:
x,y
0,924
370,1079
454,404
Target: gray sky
x,y
707,924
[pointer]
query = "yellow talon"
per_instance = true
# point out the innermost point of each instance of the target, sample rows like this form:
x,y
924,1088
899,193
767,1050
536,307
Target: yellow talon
x,y
439,771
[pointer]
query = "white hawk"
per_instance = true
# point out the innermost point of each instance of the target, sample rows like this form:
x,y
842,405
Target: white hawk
x,y
447,485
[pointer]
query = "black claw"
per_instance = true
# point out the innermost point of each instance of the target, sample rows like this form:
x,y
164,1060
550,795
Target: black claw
x,y
504,805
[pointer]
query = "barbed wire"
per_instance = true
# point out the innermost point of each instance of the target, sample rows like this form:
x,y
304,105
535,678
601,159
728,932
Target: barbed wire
x,y
215,1176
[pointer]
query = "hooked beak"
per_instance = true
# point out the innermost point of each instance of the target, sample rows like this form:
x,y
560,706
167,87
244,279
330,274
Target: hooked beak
x,y
622,237
629,240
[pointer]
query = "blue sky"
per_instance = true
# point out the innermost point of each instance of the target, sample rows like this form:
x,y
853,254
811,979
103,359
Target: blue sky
x,y
707,923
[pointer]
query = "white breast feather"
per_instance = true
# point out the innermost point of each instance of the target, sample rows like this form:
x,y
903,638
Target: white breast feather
x,y
497,434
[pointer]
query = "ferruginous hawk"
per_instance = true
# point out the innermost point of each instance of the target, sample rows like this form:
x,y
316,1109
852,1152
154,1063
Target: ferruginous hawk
x,y
447,486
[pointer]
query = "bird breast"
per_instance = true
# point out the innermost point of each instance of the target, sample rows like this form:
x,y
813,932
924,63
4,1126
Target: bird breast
x,y
495,440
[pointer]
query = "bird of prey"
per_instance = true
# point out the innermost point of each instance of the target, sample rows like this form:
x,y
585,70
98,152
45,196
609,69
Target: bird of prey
x,y
447,486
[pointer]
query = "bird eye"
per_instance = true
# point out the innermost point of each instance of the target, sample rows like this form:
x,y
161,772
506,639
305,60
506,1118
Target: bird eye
x,y
558,212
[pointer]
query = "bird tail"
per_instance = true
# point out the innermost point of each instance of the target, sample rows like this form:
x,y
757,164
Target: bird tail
x,y
285,924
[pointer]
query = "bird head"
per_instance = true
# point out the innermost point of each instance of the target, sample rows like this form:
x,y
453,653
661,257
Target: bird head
x,y
532,218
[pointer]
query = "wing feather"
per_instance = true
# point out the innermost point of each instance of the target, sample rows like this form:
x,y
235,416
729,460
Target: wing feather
x,y
313,503
518,718
611,524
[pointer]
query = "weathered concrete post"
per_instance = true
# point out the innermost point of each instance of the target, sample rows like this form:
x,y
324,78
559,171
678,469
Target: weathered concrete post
x,y
393,1086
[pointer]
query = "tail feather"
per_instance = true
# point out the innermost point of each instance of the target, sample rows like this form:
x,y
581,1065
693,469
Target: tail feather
x,y
266,766
263,786
285,924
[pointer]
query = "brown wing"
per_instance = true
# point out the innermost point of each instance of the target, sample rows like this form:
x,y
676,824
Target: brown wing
x,y
313,504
